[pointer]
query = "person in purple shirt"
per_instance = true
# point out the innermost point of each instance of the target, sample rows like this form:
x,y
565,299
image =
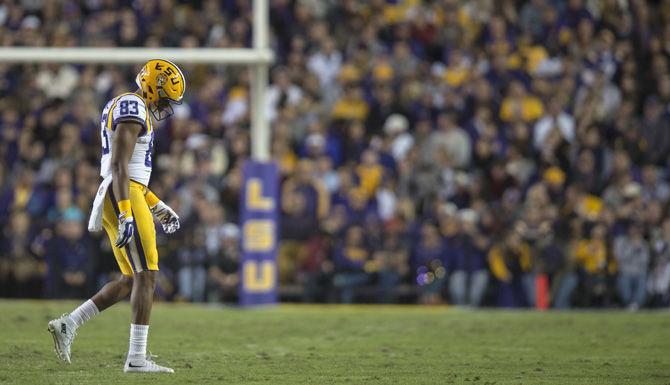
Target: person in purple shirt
x,y
428,262
391,257
350,258
470,277
68,257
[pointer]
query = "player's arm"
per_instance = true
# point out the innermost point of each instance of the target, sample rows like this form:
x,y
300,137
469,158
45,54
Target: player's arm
x,y
123,146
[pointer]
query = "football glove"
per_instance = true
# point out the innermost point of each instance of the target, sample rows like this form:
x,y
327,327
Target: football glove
x,y
126,230
166,216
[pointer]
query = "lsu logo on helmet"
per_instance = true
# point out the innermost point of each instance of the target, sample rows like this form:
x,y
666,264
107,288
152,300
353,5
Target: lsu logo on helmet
x,y
162,84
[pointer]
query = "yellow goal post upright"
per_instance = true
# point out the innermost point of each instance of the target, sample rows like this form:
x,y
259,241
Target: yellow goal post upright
x,y
259,215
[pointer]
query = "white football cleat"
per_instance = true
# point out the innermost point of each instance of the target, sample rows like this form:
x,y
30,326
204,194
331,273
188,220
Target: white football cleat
x,y
63,332
148,366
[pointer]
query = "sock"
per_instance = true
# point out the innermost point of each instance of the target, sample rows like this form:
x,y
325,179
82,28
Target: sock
x,y
83,313
138,342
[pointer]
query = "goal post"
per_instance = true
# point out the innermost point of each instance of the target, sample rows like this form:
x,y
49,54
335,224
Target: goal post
x,y
259,216
109,55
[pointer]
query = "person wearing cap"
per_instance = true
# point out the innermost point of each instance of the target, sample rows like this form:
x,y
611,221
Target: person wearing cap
x,y
68,256
395,128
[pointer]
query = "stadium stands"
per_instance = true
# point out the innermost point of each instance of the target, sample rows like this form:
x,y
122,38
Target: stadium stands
x,y
430,151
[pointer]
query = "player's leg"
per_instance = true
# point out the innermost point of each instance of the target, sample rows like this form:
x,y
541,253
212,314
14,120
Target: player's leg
x,y
119,289
113,292
142,251
64,329
141,299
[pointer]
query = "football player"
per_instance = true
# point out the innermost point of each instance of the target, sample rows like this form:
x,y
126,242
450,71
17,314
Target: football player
x,y
126,209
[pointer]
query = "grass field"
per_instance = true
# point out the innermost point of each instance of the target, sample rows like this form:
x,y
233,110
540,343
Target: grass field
x,y
338,344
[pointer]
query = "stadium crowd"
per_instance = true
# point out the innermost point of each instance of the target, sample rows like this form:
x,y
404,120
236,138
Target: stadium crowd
x,y
484,153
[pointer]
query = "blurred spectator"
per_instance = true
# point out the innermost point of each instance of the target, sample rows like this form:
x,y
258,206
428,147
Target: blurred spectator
x,y
315,273
304,203
68,257
450,141
326,63
519,106
351,257
659,274
22,271
590,258
510,262
401,142
223,277
428,261
632,255
555,119
469,280
282,93
192,272
391,262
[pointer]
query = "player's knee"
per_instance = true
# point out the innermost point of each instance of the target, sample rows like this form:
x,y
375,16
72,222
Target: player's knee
x,y
126,281
146,278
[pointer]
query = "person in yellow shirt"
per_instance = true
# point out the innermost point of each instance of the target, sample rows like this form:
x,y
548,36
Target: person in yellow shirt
x,y
286,157
369,173
589,257
351,106
518,105
591,253
510,262
458,71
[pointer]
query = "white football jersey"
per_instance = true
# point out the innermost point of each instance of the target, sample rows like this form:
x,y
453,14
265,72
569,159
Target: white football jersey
x,y
127,107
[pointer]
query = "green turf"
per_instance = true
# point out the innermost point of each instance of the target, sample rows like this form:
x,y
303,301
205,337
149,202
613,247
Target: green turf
x,y
339,344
